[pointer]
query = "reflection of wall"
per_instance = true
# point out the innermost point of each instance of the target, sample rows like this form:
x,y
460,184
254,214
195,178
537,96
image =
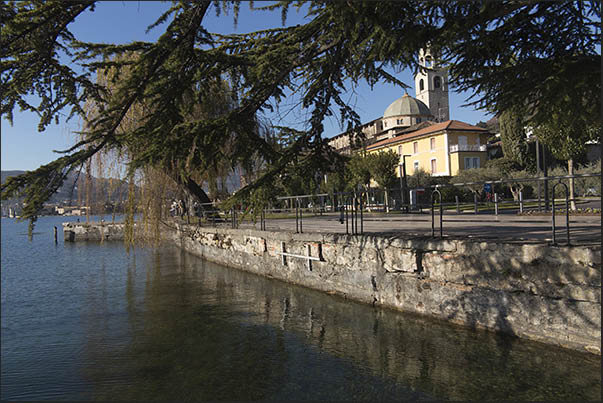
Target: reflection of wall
x,y
426,355
544,293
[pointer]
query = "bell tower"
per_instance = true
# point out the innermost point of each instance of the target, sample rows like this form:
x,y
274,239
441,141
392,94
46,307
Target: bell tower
x,y
431,85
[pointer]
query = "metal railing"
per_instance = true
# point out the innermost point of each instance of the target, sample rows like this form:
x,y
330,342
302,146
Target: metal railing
x,y
351,208
567,225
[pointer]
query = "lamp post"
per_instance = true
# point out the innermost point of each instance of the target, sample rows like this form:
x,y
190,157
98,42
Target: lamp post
x,y
541,160
403,183
538,172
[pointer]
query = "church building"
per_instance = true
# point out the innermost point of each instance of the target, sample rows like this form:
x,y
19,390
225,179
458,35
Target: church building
x,y
420,128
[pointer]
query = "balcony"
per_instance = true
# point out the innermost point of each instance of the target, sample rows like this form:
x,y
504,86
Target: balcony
x,y
455,148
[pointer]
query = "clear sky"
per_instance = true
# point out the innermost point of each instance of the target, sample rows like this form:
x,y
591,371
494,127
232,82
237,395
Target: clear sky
x,y
24,148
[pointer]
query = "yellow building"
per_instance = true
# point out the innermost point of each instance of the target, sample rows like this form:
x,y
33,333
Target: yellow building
x,y
441,149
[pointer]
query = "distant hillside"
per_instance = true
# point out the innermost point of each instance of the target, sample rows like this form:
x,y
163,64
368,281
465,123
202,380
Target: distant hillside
x,y
108,190
8,174
492,125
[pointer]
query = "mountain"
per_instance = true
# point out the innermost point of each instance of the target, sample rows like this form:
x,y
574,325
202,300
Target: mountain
x,y
8,174
73,189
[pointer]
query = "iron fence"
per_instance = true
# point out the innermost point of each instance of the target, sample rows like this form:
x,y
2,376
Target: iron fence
x,y
329,212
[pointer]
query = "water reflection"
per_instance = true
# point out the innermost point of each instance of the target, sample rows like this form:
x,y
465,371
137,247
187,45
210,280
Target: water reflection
x,y
202,331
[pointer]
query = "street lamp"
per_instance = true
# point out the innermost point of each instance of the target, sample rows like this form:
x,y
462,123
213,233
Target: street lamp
x,y
541,160
403,183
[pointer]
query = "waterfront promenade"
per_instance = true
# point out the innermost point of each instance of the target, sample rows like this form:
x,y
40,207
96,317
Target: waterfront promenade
x,y
584,230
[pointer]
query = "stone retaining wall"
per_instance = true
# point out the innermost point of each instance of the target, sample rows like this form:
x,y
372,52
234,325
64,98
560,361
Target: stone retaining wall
x,y
544,293
75,231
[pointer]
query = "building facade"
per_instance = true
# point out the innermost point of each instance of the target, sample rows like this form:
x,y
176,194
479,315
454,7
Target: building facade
x,y
420,130
441,149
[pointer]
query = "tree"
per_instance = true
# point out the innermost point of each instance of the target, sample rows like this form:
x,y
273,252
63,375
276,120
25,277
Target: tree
x,y
517,187
589,186
554,46
419,178
475,176
514,141
358,170
566,133
383,170
507,168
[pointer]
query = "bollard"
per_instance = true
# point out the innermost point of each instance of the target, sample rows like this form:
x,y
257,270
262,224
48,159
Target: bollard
x,y
263,220
520,202
458,207
495,203
301,229
361,216
296,216
346,215
567,223
432,213
475,201
352,216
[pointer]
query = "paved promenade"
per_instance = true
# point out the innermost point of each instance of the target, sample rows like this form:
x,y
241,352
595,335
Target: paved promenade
x,y
584,230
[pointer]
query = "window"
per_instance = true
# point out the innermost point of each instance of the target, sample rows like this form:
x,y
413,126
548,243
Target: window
x,y
471,162
416,166
399,150
434,167
432,143
415,147
437,82
462,140
418,120
385,123
421,85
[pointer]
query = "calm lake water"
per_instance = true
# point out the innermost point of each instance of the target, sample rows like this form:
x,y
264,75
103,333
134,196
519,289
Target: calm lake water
x,y
88,321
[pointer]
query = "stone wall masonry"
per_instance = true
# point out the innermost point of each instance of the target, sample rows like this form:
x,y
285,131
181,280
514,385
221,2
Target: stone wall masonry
x,y
536,291
75,231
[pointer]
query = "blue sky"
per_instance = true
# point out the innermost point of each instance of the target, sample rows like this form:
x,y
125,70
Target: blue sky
x,y
24,148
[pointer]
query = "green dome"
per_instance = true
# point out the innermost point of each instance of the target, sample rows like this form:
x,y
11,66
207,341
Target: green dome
x,y
407,105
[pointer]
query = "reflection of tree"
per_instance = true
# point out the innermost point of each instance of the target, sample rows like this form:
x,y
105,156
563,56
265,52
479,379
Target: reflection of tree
x,y
208,332
183,348
426,355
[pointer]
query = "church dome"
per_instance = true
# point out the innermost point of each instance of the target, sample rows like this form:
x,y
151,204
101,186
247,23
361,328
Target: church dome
x,y
407,105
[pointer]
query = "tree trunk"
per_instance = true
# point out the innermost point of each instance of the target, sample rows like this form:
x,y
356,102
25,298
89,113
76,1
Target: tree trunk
x,y
196,191
570,171
515,191
386,201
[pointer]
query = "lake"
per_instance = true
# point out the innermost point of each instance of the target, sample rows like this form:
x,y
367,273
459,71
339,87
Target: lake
x,y
90,321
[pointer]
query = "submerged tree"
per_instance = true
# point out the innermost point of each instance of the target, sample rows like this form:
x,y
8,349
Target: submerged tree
x,y
553,46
